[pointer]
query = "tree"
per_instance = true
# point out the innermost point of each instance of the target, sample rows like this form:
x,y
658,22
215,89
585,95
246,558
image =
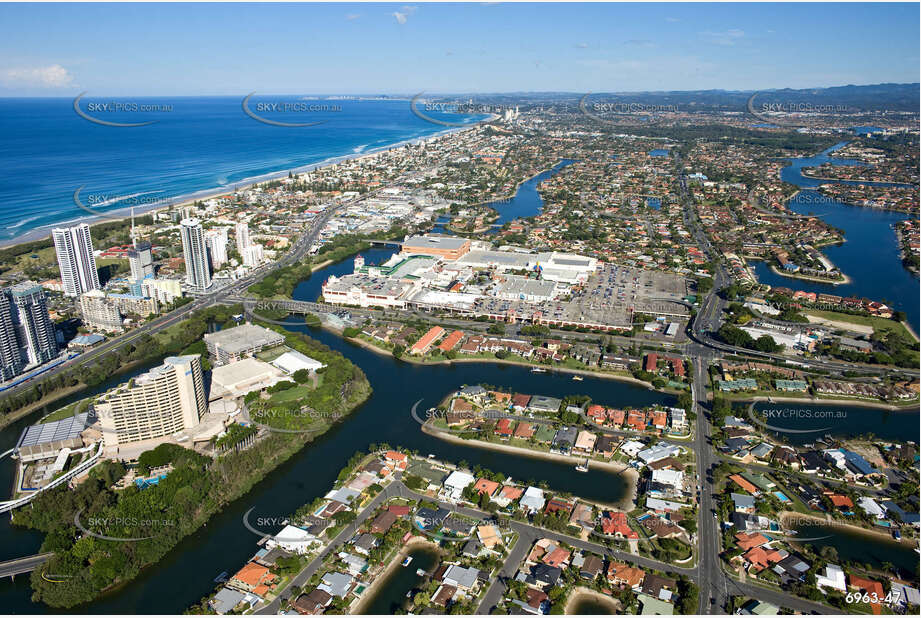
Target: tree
x,y
301,376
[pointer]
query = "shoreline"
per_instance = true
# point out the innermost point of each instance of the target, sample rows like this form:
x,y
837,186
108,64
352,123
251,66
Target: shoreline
x,y
581,593
787,515
627,502
123,214
845,281
500,361
861,403
371,591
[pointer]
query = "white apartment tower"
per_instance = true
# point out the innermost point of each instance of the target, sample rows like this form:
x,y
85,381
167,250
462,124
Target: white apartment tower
x,y
216,241
198,275
242,231
74,249
165,400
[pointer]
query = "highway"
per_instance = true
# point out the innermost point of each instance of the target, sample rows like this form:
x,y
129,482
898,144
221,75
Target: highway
x,y
27,564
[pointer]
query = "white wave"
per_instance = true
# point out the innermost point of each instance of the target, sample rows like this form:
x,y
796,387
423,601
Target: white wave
x,y
23,222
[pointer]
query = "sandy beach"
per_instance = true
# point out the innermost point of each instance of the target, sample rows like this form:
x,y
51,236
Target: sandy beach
x,y
582,593
788,516
626,504
121,214
861,403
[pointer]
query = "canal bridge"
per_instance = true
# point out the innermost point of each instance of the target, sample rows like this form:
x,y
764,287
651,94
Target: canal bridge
x,y
26,564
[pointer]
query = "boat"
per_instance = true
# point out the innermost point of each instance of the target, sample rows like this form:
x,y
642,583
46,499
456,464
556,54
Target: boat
x,y
538,370
407,560
420,572
577,378
583,467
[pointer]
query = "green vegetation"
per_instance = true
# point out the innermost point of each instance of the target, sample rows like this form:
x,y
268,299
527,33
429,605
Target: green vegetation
x,y
281,281
143,349
197,488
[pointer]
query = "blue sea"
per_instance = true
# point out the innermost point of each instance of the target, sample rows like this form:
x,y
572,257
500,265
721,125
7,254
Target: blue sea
x,y
197,145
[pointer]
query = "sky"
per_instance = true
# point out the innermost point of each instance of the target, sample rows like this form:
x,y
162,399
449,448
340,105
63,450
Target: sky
x,y
61,50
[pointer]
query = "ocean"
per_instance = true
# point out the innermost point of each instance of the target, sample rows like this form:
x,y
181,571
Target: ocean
x,y
197,146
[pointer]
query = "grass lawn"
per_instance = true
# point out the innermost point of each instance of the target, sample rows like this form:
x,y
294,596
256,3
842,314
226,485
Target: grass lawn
x,y
297,392
68,410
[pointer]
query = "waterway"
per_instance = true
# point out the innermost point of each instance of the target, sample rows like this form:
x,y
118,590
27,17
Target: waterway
x,y
840,421
863,549
591,607
392,593
527,201
224,544
870,253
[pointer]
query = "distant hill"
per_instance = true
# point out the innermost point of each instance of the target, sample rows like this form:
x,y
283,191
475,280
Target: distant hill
x,y
870,98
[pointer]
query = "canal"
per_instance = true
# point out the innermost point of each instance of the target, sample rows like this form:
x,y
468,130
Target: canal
x,y
860,548
224,544
839,421
527,201
402,581
870,253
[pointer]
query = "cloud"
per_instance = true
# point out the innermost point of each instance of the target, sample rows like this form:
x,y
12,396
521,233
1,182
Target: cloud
x,y
352,16
403,14
582,45
672,20
726,37
51,76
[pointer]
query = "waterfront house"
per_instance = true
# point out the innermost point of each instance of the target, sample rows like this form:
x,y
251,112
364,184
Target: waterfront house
x,y
383,522
337,584
606,446
591,567
622,574
585,443
486,487
833,578
532,499
365,543
507,495
313,603
455,483
253,578
293,539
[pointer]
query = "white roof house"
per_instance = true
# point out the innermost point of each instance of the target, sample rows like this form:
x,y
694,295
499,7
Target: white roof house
x,y
657,452
833,577
533,499
672,478
292,539
631,447
292,360
870,506
456,482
